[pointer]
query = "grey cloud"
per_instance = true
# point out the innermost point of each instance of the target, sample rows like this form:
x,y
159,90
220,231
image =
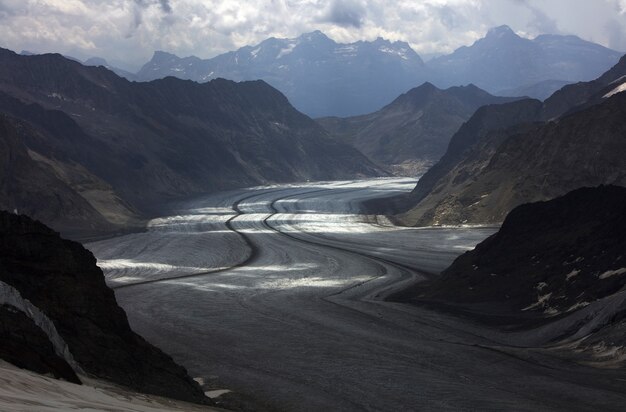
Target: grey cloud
x,y
448,16
165,5
346,13
541,22
140,6
209,27
617,36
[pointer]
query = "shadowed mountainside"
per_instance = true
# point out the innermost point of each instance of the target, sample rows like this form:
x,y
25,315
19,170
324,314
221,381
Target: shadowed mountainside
x,y
412,132
510,154
557,266
60,278
143,144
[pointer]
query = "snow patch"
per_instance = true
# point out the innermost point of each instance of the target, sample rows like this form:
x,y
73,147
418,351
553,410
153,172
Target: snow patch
x,y
255,52
573,273
348,50
22,390
618,89
577,306
216,393
541,302
11,296
287,50
610,273
402,53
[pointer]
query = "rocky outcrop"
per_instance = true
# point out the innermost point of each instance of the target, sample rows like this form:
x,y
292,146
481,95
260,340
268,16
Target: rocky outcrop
x,y
414,130
24,344
61,280
49,187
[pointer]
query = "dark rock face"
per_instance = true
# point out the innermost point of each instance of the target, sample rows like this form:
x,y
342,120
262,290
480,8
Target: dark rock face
x,y
46,188
507,155
548,258
416,127
126,148
578,96
62,280
485,120
25,345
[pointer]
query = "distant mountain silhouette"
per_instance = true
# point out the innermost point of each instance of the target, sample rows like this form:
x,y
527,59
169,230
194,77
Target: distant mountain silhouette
x,y
99,61
323,78
541,90
503,60
413,131
318,76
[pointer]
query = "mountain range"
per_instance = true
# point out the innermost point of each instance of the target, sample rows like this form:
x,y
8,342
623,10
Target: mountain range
x,y
319,76
412,132
526,151
110,152
323,78
504,60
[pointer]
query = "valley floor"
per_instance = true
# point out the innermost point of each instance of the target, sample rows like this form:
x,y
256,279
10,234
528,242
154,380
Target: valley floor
x,y
278,293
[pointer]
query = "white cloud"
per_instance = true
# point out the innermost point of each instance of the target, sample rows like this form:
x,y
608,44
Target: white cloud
x,y
130,30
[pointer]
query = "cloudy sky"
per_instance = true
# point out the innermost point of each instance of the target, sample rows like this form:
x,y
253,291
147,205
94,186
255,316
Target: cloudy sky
x,y
126,32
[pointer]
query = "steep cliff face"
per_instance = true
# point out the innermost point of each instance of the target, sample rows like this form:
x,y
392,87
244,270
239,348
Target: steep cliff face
x,y
24,344
61,280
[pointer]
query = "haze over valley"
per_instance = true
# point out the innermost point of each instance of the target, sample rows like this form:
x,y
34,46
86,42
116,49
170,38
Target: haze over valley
x,y
294,206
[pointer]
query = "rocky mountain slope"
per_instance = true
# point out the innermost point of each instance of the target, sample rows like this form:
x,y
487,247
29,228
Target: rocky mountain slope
x,y
99,61
560,261
41,185
504,60
506,155
569,249
413,131
319,76
59,316
126,148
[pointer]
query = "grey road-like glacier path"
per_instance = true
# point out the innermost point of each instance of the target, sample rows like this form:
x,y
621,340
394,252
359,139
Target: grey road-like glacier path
x,y
277,292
